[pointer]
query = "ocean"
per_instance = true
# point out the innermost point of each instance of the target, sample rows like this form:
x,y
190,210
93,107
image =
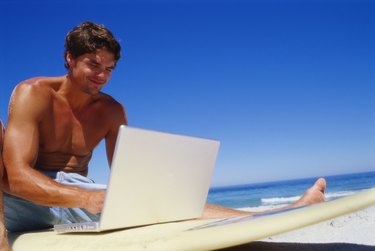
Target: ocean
x,y
262,196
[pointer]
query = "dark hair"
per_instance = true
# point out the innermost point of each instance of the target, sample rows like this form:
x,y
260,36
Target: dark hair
x,y
88,37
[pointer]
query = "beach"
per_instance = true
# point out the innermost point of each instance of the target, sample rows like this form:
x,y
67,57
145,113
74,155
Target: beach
x,y
355,231
355,228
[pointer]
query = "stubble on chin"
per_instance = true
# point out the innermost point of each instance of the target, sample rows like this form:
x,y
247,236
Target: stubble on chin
x,y
91,91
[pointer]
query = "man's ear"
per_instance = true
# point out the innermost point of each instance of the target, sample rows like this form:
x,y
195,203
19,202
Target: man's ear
x,y
69,59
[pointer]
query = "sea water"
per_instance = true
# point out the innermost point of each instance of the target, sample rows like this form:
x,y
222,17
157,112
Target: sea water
x,y
262,196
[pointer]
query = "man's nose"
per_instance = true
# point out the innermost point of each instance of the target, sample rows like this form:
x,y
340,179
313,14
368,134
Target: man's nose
x,y
101,75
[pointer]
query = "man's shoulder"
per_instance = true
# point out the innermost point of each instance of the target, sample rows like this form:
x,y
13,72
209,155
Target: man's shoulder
x,y
38,86
107,100
110,107
32,98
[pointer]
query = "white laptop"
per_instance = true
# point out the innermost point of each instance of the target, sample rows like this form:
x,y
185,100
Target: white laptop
x,y
155,177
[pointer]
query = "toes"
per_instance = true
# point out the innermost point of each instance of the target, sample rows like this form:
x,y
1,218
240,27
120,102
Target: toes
x,y
320,184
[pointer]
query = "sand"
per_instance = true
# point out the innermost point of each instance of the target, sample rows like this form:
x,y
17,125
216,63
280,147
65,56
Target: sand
x,y
355,231
358,227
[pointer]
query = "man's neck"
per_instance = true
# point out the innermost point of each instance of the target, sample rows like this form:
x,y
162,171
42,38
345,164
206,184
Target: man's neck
x,y
75,97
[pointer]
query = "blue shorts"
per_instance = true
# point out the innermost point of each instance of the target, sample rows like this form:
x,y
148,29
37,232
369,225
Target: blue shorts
x,y
21,215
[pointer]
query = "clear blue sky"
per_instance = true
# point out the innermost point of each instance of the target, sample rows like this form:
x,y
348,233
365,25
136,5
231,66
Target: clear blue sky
x,y
286,86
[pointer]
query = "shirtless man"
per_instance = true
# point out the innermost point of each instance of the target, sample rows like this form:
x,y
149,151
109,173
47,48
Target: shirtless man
x,y
54,124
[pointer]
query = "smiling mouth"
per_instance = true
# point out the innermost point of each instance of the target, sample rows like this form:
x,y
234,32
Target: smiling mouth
x,y
95,82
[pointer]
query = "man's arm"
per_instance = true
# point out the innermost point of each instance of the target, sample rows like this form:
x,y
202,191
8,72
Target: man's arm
x,y
118,118
27,107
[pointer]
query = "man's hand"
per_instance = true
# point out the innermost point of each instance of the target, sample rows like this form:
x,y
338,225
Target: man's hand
x,y
94,201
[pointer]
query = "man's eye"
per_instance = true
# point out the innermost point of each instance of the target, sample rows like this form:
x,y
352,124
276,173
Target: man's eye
x,y
92,64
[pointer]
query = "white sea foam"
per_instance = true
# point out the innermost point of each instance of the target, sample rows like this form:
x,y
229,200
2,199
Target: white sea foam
x,y
276,201
279,200
335,195
260,208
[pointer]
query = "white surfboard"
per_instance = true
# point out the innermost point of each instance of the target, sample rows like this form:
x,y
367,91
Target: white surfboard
x,y
194,234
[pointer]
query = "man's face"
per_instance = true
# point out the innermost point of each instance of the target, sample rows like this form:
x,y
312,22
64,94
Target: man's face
x,y
91,71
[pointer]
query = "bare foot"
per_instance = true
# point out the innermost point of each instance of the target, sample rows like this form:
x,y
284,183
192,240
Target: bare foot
x,y
314,194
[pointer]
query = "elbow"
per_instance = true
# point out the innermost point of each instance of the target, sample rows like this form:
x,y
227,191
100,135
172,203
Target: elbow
x,y
15,179
15,185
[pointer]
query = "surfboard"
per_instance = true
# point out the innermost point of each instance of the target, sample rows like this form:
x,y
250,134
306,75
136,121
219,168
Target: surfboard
x,y
194,234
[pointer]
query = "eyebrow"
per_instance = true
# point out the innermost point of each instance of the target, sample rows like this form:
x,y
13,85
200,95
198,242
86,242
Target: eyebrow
x,y
94,61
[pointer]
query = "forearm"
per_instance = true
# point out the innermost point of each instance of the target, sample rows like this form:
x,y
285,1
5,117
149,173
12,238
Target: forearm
x,y
34,186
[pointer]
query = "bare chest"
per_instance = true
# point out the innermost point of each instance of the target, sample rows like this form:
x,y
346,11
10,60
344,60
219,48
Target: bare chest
x,y
67,131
